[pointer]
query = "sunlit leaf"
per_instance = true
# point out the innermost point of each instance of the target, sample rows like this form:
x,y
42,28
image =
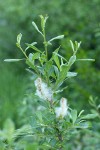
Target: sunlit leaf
x,y
33,47
74,115
85,59
57,37
72,60
30,45
80,113
72,45
90,116
43,21
55,57
36,27
83,125
13,60
19,38
71,74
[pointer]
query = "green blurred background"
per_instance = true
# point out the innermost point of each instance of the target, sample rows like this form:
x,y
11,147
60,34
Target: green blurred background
x,y
77,20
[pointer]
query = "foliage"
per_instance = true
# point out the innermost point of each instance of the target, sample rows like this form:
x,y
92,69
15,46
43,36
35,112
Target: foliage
x,y
56,125
77,20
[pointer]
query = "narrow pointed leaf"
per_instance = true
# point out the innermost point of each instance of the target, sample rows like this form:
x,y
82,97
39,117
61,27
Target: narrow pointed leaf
x,y
55,57
72,45
80,113
71,74
32,44
36,56
35,26
74,115
60,56
19,38
57,37
90,116
33,47
86,59
72,60
13,60
61,77
83,125
43,21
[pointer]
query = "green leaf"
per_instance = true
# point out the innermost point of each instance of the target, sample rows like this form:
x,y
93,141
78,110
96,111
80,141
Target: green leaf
x,y
30,63
56,71
77,45
90,116
55,57
83,125
34,75
87,59
55,38
60,56
19,39
13,60
62,76
41,70
71,74
51,72
72,60
36,56
80,113
35,26
74,115
72,45
43,21
98,106
48,65
33,47
29,45
59,91
48,68
92,101
43,58
33,57
30,57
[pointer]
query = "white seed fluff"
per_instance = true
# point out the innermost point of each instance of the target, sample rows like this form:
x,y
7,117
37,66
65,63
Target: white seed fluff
x,y
62,111
42,90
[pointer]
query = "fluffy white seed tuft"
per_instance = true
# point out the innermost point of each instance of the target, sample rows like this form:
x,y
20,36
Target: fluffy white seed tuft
x,y
42,90
62,111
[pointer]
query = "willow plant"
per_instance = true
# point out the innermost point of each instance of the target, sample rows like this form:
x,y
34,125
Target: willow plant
x,y
54,123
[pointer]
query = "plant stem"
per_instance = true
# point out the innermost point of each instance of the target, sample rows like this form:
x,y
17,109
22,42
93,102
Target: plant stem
x,y
23,52
45,44
59,137
46,52
60,140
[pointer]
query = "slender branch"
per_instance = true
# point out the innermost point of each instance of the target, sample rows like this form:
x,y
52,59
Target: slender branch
x,y
60,139
45,44
46,52
59,136
23,52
